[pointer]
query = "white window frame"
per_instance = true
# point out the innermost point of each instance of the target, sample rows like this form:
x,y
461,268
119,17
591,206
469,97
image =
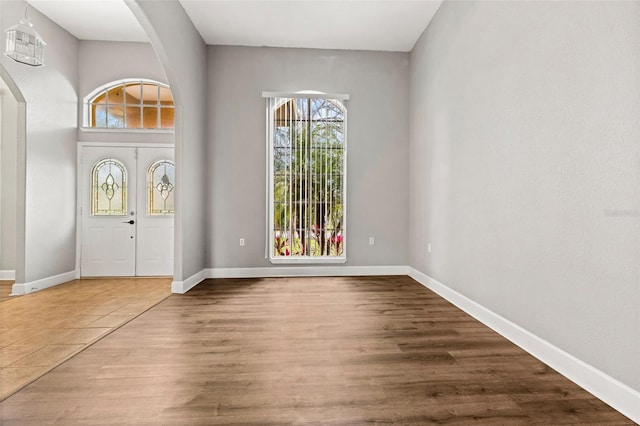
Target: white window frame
x,y
86,108
269,246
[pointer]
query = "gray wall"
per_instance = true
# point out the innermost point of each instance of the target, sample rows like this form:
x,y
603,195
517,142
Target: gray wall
x,y
525,165
377,188
8,177
182,53
102,62
51,97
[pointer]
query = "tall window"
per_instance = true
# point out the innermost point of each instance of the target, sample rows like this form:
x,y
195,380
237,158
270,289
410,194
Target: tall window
x,y
307,171
131,104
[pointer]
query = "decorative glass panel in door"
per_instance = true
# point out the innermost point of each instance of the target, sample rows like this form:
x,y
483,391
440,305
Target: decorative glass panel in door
x,y
109,188
161,183
156,194
108,211
127,211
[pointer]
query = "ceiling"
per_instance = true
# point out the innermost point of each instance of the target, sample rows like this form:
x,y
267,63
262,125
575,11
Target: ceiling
x,y
93,19
388,25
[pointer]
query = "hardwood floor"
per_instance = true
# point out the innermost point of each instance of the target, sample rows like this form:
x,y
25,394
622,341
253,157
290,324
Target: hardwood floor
x,y
357,350
40,330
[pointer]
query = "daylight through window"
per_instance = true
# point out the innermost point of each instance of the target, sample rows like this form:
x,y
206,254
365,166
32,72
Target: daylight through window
x,y
307,171
131,104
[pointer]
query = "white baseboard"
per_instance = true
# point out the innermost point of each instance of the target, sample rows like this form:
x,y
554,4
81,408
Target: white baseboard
x,y
181,287
613,392
305,271
41,284
7,275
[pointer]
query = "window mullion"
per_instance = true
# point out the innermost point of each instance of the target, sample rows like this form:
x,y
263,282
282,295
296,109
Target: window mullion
x,y
308,208
330,183
292,138
325,209
158,115
300,183
140,108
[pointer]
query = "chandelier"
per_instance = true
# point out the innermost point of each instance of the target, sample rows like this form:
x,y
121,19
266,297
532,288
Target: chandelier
x,y
24,44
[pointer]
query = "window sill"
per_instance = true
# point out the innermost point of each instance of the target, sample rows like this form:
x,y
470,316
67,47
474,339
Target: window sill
x,y
106,130
307,259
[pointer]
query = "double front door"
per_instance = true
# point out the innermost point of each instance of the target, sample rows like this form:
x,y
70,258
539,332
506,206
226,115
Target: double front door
x,y
127,211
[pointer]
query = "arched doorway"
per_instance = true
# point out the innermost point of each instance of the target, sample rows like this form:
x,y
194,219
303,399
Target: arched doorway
x,y
12,180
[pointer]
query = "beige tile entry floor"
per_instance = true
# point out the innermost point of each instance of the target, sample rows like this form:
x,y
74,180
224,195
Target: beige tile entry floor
x,y
41,330
5,290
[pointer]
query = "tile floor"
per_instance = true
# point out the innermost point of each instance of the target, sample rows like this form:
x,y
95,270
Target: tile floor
x,y
41,330
5,290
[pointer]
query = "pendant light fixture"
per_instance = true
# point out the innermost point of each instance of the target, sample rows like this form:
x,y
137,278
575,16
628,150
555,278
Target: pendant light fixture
x,y
24,44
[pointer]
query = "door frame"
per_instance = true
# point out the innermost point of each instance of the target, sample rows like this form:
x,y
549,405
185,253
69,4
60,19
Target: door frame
x,y
79,182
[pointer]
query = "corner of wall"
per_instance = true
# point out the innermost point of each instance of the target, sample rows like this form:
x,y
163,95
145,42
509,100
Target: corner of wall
x,y
615,393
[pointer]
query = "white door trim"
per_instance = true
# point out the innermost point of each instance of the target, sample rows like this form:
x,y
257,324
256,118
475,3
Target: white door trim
x,y
81,146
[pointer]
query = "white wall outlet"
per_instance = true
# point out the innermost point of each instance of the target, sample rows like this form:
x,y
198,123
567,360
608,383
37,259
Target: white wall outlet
x,y
429,247
372,241
242,242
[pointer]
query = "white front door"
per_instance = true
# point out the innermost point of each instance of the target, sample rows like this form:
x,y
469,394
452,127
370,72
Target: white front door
x,y
156,180
127,211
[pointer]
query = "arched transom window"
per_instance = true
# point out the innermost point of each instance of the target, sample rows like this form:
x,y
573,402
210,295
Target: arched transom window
x,y
131,104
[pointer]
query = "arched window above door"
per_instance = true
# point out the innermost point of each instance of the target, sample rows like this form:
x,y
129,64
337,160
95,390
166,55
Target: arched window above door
x,y
130,104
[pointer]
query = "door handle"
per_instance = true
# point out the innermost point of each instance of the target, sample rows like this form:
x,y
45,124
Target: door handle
x,y
131,222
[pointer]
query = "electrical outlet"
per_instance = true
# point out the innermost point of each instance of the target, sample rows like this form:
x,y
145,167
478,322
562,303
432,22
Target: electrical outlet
x,y
242,242
372,241
429,247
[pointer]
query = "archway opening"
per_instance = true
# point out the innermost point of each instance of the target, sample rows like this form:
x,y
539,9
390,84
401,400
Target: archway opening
x,y
12,183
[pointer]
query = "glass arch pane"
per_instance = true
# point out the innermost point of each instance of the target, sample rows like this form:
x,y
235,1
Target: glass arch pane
x,y
160,187
166,97
115,95
133,94
167,118
150,94
109,188
131,104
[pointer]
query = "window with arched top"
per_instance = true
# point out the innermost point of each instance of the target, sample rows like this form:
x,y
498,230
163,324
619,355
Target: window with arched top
x,y
160,185
306,189
109,188
130,104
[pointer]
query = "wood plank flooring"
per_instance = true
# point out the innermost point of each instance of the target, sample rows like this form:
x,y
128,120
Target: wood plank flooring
x,y
40,330
357,350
